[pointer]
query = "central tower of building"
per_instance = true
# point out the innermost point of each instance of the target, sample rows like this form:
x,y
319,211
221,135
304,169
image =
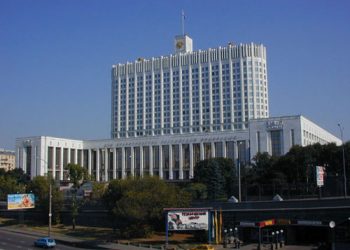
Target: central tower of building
x,y
190,91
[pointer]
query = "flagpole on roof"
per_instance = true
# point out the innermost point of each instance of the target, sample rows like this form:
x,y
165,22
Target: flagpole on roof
x,y
183,22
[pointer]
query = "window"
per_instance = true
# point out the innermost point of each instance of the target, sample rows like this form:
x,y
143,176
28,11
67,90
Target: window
x,y
276,142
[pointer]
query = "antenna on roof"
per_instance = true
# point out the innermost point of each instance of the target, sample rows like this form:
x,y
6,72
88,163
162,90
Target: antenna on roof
x,y
183,22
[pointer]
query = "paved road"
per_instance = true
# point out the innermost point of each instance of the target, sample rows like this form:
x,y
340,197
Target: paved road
x,y
14,241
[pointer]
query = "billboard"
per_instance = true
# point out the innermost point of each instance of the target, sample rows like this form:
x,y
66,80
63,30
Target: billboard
x,y
188,220
20,201
320,175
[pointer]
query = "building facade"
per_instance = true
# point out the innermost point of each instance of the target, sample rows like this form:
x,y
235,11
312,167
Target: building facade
x,y
170,112
171,157
212,90
7,159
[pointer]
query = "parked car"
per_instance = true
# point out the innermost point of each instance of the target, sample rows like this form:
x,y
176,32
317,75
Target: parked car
x,y
203,247
45,242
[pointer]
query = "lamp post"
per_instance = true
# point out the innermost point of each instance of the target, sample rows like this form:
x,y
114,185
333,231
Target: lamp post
x,y
239,171
332,226
277,238
281,238
344,169
50,196
272,237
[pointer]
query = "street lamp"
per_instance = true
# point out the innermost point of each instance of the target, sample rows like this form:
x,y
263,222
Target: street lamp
x,y
272,238
344,169
281,238
332,226
50,196
277,238
225,238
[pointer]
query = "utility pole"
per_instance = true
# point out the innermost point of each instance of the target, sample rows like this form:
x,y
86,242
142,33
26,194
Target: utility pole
x,y
50,206
344,167
49,178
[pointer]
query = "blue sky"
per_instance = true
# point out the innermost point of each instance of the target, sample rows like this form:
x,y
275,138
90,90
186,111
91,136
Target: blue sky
x,y
56,56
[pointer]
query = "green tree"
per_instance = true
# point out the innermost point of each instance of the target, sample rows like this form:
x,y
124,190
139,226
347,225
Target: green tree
x,y
9,185
198,191
40,186
137,204
98,190
217,175
77,175
19,175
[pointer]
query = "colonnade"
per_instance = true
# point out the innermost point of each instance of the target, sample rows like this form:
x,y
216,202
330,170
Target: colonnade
x,y
173,161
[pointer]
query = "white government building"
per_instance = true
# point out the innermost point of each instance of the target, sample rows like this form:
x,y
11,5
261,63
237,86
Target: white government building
x,y
172,111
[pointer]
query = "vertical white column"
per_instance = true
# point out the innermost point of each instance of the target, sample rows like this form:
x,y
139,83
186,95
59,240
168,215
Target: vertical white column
x,y
221,92
190,91
132,161
118,106
54,162
114,163
82,158
153,97
235,151
24,156
201,149
127,103
180,97
200,96
136,100
98,164
89,161
61,163
181,163
171,95
144,101
141,161
210,90
191,161
171,162
69,156
106,164
224,151
160,162
213,151
161,97
242,93
151,162
75,156
34,161
123,163
232,110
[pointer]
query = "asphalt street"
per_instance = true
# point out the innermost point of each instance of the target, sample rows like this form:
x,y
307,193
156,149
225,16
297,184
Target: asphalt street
x,y
13,241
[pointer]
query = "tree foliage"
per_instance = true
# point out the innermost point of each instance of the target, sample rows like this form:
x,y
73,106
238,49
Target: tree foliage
x,y
218,175
197,190
298,165
40,186
13,181
137,204
77,175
